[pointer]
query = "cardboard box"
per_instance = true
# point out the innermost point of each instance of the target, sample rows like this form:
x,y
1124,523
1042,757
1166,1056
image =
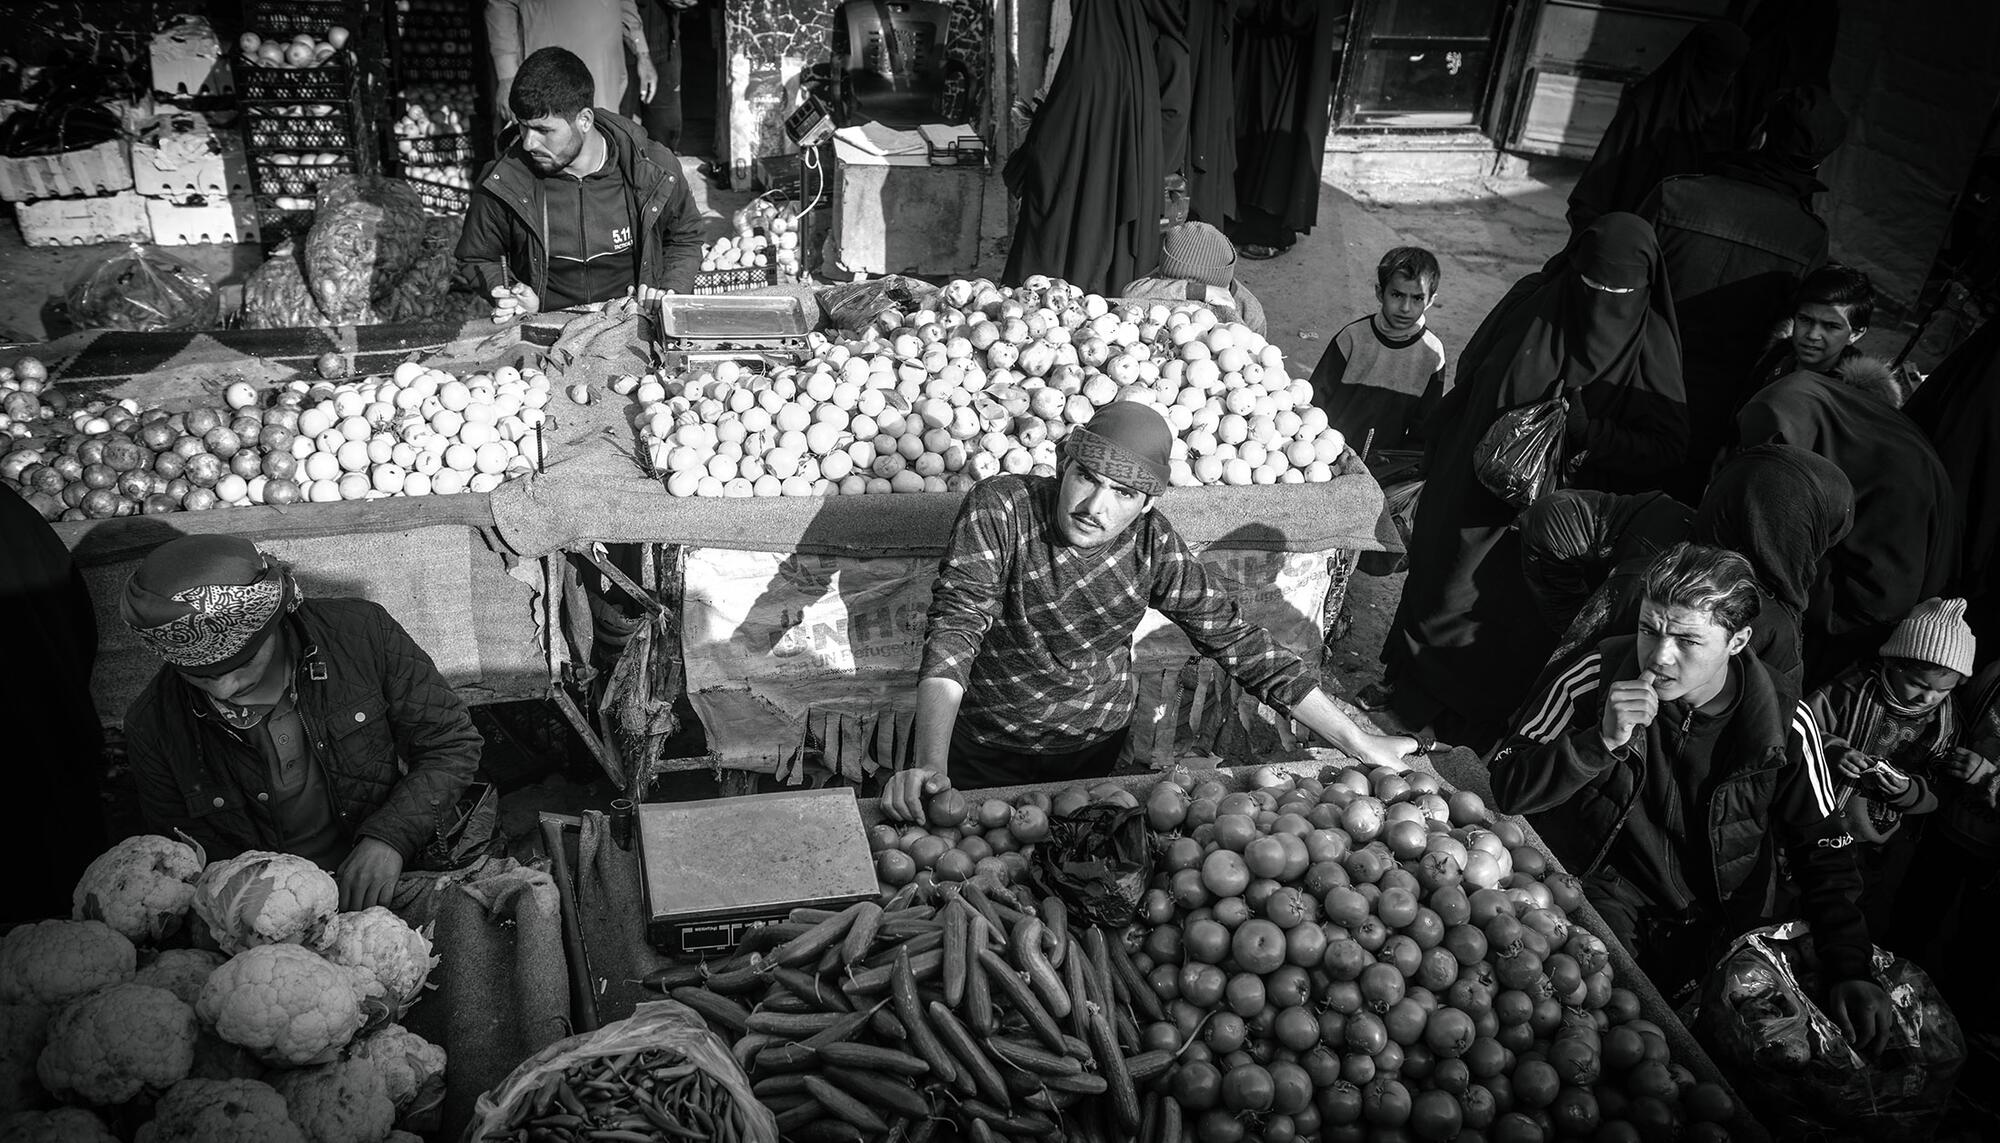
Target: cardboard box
x,y
188,61
83,221
103,169
223,219
936,213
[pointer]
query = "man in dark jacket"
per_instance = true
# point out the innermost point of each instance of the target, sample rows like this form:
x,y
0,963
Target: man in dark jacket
x,y
580,207
312,727
1670,771
1736,241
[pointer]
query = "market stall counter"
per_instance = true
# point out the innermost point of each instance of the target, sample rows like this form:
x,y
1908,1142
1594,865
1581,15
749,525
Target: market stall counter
x,y
790,967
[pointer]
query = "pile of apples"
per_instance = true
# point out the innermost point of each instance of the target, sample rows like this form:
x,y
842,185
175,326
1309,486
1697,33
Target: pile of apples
x,y
766,234
989,381
27,402
301,51
418,432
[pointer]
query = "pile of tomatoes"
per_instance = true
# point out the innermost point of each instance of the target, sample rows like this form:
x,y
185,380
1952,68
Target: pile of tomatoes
x,y
1367,957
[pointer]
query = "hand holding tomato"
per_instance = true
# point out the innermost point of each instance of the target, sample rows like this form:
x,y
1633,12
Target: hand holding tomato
x,y
1863,1012
904,793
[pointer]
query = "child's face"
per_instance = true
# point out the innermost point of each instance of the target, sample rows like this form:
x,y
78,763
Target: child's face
x,y
1404,301
1820,333
1920,685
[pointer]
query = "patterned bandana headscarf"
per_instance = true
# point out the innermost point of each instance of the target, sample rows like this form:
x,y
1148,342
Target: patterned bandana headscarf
x,y
205,604
1125,443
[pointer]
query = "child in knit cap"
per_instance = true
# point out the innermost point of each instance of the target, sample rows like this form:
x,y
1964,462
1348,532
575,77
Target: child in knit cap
x,y
1198,263
1897,729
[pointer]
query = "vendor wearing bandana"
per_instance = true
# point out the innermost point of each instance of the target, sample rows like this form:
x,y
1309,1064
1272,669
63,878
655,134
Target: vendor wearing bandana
x,y
312,727
1027,668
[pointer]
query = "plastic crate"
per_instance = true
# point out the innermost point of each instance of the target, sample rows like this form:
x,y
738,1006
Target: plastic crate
x,y
216,221
436,150
103,169
731,281
296,181
439,198
287,18
330,82
84,221
274,224
266,132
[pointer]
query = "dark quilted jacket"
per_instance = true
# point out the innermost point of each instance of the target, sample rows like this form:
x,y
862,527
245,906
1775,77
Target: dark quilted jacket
x,y
397,744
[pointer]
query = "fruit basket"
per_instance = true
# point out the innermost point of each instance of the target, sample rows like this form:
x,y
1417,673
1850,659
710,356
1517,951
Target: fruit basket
x,y
732,280
280,129
290,17
333,80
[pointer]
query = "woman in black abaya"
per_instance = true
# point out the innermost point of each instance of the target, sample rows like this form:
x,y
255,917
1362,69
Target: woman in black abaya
x,y
1091,170
1598,321
1283,55
1665,124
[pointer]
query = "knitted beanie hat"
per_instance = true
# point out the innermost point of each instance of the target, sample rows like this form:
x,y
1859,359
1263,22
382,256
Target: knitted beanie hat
x,y
1126,443
1935,632
1198,252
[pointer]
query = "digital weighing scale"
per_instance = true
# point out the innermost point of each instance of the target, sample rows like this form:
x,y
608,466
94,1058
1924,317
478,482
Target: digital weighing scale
x,y
698,331
715,869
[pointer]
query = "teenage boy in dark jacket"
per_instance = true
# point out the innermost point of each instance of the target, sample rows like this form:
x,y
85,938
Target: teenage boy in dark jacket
x,y
1669,771
312,727
580,207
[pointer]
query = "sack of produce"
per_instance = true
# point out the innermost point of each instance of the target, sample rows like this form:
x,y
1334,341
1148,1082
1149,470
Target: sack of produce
x,y
365,234
1791,1061
275,295
424,293
661,1064
853,306
1099,860
142,290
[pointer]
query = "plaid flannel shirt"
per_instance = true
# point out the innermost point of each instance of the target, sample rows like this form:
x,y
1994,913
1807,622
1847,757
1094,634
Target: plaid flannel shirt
x,y
1040,633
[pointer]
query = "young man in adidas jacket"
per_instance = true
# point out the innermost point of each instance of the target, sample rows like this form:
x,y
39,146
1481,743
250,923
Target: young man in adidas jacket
x,y
1670,771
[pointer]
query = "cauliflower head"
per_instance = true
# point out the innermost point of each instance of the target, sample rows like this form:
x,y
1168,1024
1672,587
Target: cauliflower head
x,y
117,1042
263,898
410,1065
396,956
341,1102
181,972
53,962
24,1029
63,1125
221,1111
287,1004
141,887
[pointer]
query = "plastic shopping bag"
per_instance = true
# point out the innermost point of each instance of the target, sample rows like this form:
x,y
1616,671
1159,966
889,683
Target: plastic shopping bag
x,y
141,290
1099,859
662,1061
1520,457
1791,1061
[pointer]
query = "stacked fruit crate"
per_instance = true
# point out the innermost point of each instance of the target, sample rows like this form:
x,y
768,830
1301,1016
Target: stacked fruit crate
x,y
303,94
437,142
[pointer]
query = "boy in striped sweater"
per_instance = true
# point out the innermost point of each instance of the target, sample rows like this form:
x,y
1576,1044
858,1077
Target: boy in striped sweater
x,y
1386,372
1669,770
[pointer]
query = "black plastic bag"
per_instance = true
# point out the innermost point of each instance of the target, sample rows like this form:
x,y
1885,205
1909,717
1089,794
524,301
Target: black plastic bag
x,y
1520,457
1792,1063
853,306
1099,860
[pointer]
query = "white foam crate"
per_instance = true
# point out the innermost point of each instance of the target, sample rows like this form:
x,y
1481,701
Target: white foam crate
x,y
218,220
103,169
84,221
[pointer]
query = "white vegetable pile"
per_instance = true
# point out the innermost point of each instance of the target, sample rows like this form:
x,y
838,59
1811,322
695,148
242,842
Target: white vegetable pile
x,y
767,234
989,381
237,996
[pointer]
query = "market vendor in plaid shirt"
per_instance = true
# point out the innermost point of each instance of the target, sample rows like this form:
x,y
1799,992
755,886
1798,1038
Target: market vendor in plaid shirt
x,y
1027,668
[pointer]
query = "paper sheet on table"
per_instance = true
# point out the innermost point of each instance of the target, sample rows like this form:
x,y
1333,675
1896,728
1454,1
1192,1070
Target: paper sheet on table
x,y
877,139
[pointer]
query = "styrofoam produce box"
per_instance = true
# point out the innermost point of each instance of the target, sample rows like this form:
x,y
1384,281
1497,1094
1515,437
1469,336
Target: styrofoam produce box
x,y
187,61
216,220
83,221
103,169
215,176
